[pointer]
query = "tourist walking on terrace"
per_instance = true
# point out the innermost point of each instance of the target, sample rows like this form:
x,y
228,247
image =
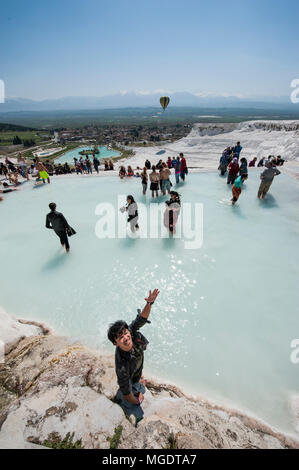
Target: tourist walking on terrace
x,y
154,179
129,358
267,178
23,166
56,221
42,171
237,150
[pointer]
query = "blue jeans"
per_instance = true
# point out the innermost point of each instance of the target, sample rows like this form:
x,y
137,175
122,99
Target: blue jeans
x,y
177,178
128,408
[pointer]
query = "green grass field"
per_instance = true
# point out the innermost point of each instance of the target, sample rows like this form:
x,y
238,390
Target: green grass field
x,y
6,137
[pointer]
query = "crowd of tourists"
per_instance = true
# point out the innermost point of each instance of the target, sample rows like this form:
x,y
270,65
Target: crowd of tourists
x,y
237,170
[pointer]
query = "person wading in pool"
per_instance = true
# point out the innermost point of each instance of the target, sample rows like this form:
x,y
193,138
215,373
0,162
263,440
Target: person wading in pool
x,y
56,221
129,357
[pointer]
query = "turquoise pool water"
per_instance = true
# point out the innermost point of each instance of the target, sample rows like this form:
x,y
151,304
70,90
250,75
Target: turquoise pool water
x,y
227,313
69,156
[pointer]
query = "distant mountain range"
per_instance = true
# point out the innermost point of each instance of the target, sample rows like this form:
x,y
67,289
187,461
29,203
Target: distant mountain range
x,y
144,99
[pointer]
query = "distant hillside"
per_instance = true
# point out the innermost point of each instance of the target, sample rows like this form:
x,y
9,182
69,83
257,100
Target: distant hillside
x,y
5,127
142,116
144,99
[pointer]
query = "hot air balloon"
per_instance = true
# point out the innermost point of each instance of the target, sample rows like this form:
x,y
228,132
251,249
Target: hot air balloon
x,y
164,101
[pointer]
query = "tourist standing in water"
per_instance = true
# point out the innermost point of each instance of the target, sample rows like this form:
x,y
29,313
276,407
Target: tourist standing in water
x,y
243,167
56,221
178,167
223,163
144,180
122,172
165,181
267,178
96,164
237,187
129,358
154,179
172,212
261,162
132,210
253,163
233,170
184,169
88,165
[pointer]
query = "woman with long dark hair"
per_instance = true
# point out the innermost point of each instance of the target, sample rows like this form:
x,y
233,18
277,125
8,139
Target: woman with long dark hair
x,y
132,210
172,212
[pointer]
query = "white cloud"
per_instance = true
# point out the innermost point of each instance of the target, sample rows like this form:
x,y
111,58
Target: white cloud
x,y
143,92
210,94
159,91
123,92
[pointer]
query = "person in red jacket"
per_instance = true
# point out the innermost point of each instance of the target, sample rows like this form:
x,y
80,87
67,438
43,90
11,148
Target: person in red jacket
x,y
183,166
233,170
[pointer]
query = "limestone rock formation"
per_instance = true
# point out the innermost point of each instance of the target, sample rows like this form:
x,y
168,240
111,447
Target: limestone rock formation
x,y
50,387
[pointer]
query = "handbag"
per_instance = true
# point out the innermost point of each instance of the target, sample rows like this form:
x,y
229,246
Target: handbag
x,y
70,232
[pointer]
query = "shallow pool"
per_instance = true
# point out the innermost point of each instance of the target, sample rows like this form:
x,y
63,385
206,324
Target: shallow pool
x,y
227,313
69,156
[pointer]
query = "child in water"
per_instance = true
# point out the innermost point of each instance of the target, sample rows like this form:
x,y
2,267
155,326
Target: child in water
x,y
237,188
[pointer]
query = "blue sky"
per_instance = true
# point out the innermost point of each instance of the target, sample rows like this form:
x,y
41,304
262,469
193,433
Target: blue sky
x,y
61,48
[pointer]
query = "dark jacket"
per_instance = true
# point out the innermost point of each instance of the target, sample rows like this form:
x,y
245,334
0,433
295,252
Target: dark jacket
x,y
129,365
56,221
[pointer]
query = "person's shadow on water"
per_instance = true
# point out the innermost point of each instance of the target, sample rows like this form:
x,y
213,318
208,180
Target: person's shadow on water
x,y
168,242
269,202
129,242
238,211
56,262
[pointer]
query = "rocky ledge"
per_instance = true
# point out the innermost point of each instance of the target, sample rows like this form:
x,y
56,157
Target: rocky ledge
x,y
57,394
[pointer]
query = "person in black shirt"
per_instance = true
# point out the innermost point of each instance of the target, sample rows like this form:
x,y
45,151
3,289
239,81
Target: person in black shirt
x,y
56,221
129,357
